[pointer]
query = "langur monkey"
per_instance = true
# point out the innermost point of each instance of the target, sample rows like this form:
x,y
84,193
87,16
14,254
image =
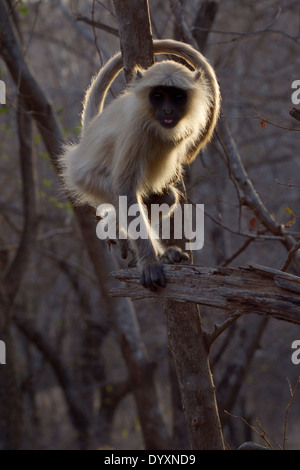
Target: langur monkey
x,y
138,144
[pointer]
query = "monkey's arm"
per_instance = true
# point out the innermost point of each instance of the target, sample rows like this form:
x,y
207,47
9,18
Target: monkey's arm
x,y
147,250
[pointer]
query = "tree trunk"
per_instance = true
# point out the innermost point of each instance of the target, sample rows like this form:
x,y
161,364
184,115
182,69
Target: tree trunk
x,y
11,411
186,336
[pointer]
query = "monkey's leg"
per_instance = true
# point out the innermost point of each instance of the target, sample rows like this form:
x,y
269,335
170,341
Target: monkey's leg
x,y
171,197
172,254
147,250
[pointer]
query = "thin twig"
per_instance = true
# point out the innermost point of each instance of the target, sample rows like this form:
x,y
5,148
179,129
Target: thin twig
x,y
290,257
258,236
259,116
180,20
266,434
293,393
245,35
261,432
98,24
238,252
95,34
218,329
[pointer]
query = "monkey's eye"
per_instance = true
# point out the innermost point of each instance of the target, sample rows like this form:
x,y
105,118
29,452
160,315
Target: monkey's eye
x,y
157,96
179,96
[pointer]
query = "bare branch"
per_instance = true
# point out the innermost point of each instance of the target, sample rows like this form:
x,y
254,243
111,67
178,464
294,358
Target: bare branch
x,y
218,329
98,24
250,237
80,30
260,432
246,337
14,276
245,35
293,394
253,289
250,196
205,17
264,121
179,18
52,357
290,257
238,252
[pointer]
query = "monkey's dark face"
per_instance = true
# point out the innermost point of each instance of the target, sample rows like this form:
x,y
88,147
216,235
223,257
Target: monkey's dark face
x,y
169,105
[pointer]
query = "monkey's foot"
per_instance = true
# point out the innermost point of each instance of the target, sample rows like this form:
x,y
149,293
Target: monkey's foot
x,y
152,276
174,254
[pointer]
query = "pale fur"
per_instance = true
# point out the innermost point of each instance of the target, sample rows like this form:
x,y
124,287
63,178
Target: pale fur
x,y
123,150
125,144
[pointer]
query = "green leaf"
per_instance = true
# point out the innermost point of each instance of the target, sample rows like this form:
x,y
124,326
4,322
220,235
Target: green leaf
x,y
44,155
60,205
68,207
47,183
22,8
37,139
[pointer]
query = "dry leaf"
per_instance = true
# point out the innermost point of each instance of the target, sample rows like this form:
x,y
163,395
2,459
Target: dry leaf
x,y
252,224
263,123
293,219
290,211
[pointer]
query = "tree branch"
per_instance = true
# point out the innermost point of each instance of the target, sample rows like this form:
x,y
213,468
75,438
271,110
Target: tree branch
x,y
250,197
140,50
37,338
219,329
17,269
290,257
99,25
253,289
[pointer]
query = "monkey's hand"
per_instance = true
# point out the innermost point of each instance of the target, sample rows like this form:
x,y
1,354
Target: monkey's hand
x,y
173,254
152,275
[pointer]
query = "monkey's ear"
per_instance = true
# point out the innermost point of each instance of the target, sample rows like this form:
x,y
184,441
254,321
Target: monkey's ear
x,y
198,75
138,74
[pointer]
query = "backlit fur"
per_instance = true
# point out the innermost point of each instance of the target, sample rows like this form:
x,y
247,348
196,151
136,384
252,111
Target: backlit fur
x,y
125,145
124,150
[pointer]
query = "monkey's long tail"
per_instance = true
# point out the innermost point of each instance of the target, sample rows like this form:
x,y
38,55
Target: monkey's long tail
x,y
96,93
